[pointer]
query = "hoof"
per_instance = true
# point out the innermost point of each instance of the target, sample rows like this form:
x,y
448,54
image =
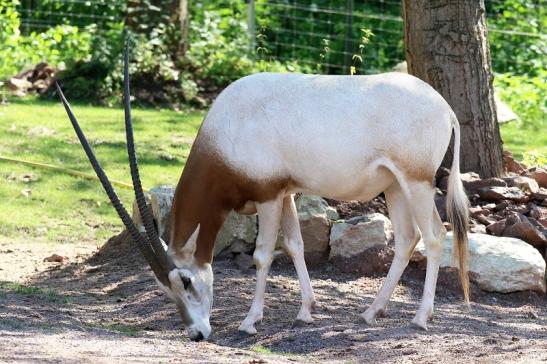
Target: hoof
x,y
248,330
369,317
304,317
419,324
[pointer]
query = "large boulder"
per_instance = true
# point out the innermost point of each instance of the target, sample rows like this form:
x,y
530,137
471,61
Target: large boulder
x,y
237,235
314,215
496,264
354,236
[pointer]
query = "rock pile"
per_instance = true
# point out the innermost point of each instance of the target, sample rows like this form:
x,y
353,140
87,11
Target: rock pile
x,y
512,206
37,79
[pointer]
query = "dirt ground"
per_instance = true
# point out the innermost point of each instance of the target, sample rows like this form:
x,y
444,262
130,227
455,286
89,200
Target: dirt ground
x,y
102,306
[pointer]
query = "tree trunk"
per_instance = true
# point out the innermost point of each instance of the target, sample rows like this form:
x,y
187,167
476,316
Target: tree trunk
x,y
182,16
446,45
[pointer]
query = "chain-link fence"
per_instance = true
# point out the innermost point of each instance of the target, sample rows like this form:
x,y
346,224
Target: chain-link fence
x,y
331,36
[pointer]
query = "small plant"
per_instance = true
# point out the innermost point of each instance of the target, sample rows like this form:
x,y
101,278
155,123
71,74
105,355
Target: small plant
x,y
358,58
32,291
324,55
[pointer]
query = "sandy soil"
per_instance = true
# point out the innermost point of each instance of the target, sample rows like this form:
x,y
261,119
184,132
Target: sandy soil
x,y
103,306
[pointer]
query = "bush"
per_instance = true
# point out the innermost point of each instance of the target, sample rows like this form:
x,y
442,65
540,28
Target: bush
x,y
60,44
527,96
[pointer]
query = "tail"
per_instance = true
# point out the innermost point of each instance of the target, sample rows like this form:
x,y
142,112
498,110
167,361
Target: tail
x,y
458,213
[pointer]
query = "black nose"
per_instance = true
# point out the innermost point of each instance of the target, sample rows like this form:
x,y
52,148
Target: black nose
x,y
198,337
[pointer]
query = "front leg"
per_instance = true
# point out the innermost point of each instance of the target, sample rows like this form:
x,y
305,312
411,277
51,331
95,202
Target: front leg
x,y
269,214
294,245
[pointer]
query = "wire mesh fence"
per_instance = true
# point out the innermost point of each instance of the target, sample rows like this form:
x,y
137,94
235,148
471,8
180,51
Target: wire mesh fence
x,y
330,36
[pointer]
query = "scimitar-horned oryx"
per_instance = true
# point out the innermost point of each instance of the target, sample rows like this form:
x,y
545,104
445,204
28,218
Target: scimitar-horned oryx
x,y
269,136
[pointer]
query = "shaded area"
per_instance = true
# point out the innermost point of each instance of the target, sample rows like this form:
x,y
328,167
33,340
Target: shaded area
x,y
109,304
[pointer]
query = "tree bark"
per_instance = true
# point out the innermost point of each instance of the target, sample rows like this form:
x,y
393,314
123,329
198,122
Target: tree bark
x,y
446,45
182,16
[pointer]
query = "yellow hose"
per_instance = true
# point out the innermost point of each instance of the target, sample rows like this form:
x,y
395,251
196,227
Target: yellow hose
x,y
71,172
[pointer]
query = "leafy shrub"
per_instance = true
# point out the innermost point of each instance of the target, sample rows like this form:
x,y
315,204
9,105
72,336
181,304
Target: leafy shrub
x,y
57,45
527,96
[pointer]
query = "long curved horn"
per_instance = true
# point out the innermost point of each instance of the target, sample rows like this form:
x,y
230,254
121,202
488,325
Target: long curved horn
x,y
142,244
146,216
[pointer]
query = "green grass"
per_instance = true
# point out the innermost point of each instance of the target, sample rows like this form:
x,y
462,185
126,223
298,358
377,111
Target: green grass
x,y
32,291
528,144
59,208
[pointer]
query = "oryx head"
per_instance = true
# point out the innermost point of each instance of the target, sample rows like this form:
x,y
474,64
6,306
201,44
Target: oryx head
x,y
188,285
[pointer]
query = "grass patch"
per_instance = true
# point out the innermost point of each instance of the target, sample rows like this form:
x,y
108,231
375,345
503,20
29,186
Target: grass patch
x,y
527,144
61,208
117,328
261,349
33,291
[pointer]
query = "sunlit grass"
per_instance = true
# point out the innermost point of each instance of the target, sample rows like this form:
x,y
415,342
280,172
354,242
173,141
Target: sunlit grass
x,y
525,142
59,207
32,291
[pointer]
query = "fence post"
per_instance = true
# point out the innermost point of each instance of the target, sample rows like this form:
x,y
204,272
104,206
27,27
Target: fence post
x,y
251,24
349,31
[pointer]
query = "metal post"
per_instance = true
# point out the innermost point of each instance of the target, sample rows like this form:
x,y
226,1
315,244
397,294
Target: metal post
x,y
251,24
349,31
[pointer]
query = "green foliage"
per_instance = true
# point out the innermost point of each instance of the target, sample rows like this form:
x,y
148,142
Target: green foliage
x,y
517,42
527,97
55,46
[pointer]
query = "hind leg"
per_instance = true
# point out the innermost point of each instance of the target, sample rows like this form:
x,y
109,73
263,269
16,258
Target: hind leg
x,y
294,246
406,236
269,214
433,233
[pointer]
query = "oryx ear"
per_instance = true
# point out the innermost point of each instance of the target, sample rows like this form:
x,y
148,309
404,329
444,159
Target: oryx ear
x,y
190,246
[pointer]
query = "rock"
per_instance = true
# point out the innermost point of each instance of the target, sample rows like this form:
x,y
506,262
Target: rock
x,y
54,258
476,185
526,184
161,199
540,195
504,112
511,165
355,236
316,205
237,235
518,226
539,175
440,203
497,228
538,212
502,193
497,264
244,261
478,228
19,87
314,215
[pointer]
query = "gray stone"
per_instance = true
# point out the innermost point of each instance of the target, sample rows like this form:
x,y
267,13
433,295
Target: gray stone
x,y
161,200
314,215
502,193
497,264
526,184
315,205
354,237
237,235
